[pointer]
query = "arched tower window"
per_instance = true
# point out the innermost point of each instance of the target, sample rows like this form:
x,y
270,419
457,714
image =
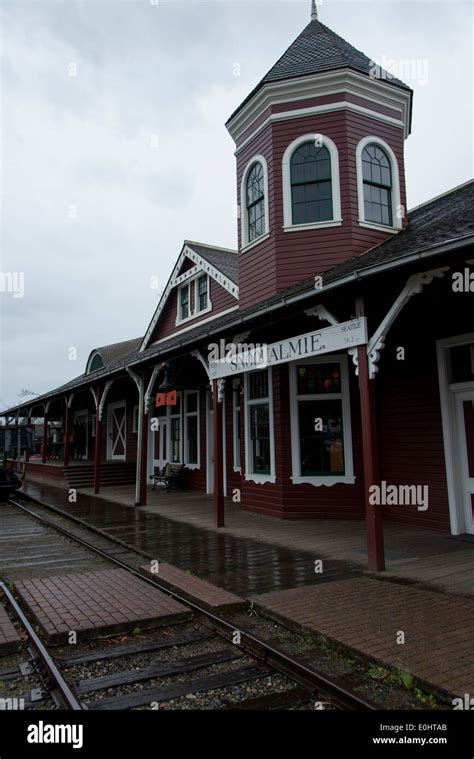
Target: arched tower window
x,y
311,184
255,202
377,181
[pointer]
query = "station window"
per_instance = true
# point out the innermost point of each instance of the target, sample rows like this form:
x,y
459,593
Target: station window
x,y
191,421
236,423
320,421
259,424
135,419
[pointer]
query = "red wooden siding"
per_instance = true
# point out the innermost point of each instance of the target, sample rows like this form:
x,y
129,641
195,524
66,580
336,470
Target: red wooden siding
x,y
221,300
286,258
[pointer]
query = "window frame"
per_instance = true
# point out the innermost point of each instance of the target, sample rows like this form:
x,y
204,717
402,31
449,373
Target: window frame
x,y
236,419
261,479
397,223
192,284
186,415
296,477
197,310
245,243
336,221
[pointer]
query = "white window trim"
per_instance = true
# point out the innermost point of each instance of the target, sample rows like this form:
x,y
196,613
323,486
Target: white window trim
x,y
236,384
328,480
335,185
193,312
187,414
448,393
170,416
396,222
206,310
135,417
245,244
260,479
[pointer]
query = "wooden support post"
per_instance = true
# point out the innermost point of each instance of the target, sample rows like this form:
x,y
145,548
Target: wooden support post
x,y
97,452
67,434
143,471
218,457
373,513
45,437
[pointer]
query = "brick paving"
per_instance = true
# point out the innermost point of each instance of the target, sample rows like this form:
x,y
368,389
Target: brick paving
x,y
367,614
10,641
93,603
191,586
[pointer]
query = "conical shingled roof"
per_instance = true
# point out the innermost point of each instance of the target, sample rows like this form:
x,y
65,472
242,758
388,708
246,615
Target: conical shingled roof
x,y
317,50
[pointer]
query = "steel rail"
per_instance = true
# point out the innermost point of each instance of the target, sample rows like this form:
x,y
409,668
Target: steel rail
x,y
255,646
67,696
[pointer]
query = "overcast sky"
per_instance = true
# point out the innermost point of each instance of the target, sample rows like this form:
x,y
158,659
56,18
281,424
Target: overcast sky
x,y
92,209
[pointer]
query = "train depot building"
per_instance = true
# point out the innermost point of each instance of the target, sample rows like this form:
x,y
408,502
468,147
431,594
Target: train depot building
x,y
325,369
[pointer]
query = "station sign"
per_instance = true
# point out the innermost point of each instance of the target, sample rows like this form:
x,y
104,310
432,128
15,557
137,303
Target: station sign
x,y
339,337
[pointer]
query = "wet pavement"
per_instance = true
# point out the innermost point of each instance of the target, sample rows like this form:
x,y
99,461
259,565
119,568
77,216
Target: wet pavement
x,y
240,565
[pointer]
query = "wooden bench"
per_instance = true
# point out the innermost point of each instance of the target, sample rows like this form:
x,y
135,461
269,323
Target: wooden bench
x,y
172,473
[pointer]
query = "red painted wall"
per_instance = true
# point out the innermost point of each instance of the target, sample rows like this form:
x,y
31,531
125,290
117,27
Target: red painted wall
x,y
286,258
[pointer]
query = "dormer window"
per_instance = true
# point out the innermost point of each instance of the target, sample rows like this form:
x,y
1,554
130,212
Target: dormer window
x,y
184,302
194,298
254,202
377,176
202,298
378,185
311,193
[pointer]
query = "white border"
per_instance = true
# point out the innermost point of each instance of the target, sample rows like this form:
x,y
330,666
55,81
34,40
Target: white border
x,y
186,415
243,202
209,432
260,479
397,223
110,408
450,432
335,186
236,384
348,478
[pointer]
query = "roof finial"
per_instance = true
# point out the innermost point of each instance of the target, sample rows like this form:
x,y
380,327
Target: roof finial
x,y
314,11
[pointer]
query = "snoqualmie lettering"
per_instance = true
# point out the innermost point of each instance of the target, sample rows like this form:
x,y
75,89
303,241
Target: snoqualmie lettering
x,y
45,733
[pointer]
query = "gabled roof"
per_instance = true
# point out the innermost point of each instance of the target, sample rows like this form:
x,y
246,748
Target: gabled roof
x,y
441,224
220,263
315,51
224,259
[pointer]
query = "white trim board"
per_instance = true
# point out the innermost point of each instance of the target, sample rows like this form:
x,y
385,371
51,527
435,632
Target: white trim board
x,y
201,265
450,432
382,93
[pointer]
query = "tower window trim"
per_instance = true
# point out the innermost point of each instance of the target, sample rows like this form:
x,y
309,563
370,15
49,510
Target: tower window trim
x,y
397,222
335,185
244,220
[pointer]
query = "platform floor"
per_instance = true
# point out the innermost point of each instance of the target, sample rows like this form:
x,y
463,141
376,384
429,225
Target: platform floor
x,y
96,603
258,554
427,591
10,641
426,634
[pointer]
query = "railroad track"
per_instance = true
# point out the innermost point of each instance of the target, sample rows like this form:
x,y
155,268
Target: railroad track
x,y
194,660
